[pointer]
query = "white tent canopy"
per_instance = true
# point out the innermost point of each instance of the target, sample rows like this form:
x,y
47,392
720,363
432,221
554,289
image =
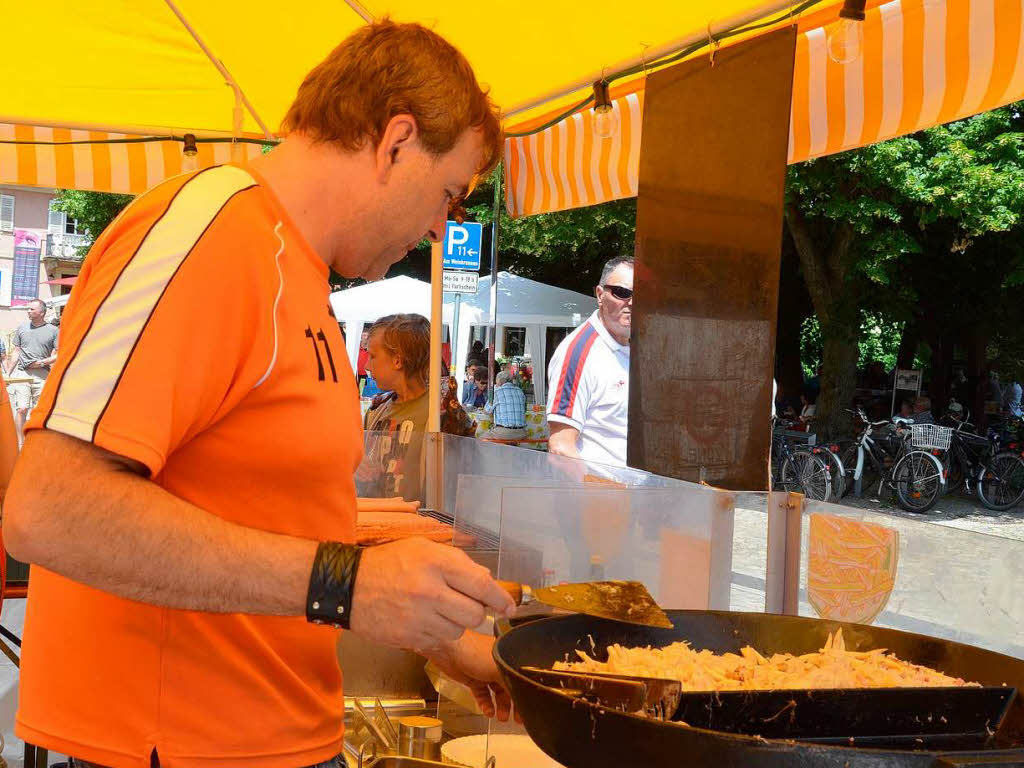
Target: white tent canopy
x,y
522,303
365,303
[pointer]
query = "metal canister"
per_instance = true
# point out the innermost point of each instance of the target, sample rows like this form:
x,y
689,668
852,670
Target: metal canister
x,y
419,736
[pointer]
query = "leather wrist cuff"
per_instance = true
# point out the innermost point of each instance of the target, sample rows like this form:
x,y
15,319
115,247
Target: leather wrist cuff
x,y
332,584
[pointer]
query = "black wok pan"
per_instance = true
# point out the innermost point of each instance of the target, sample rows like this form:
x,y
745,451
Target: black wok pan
x,y
581,734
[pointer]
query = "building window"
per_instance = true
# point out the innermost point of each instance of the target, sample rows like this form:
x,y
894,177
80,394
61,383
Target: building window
x,y
515,341
58,223
6,213
553,337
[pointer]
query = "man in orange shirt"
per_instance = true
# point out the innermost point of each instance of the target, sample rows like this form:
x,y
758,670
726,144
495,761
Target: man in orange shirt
x,y
191,543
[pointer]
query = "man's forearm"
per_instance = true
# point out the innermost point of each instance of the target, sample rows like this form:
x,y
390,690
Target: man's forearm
x,y
12,360
562,440
101,524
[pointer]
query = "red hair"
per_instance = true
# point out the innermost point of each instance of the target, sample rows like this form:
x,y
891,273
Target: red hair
x,y
386,69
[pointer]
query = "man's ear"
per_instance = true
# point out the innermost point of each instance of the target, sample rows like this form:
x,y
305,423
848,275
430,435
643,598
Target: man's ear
x,y
401,133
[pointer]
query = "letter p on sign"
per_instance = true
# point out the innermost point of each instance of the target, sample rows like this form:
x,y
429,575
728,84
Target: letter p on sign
x,y
456,235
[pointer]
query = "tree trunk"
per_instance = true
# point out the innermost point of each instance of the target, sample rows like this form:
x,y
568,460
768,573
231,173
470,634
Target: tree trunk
x,y
977,376
839,378
908,345
824,257
942,364
794,308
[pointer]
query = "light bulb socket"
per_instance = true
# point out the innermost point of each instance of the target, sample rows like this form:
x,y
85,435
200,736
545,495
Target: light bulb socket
x,y
602,101
190,149
853,9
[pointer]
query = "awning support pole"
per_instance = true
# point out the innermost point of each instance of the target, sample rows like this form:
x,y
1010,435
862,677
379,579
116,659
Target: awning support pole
x,y
364,14
239,94
436,322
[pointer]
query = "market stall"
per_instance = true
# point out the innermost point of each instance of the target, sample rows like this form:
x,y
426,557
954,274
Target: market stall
x,y
536,517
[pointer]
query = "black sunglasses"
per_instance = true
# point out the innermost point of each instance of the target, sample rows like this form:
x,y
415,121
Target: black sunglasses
x,y
619,292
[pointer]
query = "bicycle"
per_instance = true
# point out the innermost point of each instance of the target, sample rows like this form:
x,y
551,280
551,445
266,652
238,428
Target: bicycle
x,y
915,474
977,464
798,469
830,455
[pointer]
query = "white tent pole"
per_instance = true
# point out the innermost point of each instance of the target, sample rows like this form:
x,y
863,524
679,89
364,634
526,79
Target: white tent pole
x,y
353,330
239,94
453,335
535,340
652,54
434,386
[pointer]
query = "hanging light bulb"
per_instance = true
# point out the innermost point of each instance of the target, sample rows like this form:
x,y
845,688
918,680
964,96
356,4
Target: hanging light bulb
x,y
845,39
606,123
191,153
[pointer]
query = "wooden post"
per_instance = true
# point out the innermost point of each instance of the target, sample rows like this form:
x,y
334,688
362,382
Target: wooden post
x,y
436,326
782,569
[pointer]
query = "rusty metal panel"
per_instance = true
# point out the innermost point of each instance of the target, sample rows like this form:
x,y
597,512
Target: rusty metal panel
x,y
709,230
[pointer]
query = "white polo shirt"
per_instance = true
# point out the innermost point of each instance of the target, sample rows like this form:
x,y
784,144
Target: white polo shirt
x,y
588,388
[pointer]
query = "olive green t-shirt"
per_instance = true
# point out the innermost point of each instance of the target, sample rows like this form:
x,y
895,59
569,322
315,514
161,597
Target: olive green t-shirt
x,y
393,463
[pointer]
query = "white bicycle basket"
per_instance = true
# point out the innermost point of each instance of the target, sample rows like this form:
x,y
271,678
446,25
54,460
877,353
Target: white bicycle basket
x,y
930,436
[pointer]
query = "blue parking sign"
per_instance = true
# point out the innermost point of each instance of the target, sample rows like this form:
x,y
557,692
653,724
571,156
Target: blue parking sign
x,y
461,247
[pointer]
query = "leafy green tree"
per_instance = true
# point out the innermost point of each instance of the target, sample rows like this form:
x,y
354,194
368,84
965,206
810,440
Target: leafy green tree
x,y
93,210
885,226
567,248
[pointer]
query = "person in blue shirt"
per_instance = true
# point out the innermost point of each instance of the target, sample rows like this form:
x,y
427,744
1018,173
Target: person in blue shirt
x,y
1012,399
469,385
509,409
478,397
370,388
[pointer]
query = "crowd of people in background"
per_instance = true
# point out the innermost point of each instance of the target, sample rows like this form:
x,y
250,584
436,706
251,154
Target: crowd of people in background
x,y
588,391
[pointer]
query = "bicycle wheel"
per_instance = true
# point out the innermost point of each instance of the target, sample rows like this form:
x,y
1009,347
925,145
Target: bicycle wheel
x,y
849,459
918,481
1001,484
838,470
954,472
807,474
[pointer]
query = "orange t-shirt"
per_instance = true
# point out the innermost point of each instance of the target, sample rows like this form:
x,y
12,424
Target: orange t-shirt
x,y
200,342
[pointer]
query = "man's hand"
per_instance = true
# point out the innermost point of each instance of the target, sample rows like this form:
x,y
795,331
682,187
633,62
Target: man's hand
x,y
418,594
469,661
33,364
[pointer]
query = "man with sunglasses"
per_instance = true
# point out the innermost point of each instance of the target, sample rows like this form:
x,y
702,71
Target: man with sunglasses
x,y
588,377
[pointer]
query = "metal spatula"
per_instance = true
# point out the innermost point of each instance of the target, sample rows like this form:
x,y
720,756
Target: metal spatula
x,y
627,601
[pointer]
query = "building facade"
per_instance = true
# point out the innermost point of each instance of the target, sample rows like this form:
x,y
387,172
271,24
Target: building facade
x,y
38,245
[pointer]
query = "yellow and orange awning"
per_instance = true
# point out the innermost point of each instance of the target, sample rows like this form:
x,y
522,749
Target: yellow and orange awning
x,y
924,63
143,68
97,160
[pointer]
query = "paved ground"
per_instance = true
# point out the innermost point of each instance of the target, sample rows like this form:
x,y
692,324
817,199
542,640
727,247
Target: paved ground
x,y
955,511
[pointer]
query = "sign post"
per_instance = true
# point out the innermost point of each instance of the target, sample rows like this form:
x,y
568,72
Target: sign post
x,y
461,263
906,381
462,245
